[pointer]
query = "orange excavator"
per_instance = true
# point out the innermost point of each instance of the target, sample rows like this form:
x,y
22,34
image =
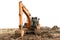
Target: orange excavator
x,y
32,22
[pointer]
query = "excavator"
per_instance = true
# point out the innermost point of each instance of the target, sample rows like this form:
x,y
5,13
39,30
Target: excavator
x,y
31,24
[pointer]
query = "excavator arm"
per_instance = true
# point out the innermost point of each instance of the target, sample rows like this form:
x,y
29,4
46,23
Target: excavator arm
x,y
20,14
22,9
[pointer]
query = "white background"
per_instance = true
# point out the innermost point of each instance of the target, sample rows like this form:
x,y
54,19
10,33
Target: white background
x,y
47,10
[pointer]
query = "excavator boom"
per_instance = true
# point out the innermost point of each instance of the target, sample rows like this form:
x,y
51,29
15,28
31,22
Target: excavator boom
x,y
22,9
28,16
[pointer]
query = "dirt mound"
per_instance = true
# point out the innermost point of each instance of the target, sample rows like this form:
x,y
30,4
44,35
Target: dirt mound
x,y
42,34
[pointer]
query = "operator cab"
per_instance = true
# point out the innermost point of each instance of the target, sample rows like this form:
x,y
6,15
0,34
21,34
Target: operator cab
x,y
34,22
